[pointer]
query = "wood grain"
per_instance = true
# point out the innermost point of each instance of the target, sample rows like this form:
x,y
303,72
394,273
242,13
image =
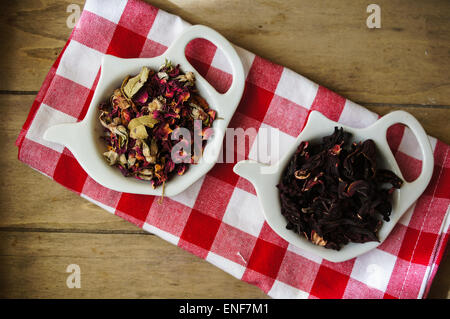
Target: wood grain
x,y
44,227
112,266
404,62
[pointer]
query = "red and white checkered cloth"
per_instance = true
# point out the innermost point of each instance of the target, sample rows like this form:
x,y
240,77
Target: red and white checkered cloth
x,y
219,217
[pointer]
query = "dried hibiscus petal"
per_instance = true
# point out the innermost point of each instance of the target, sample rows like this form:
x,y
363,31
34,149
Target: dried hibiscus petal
x,y
334,194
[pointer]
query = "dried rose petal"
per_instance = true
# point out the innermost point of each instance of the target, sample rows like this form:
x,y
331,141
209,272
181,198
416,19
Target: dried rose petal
x,y
139,119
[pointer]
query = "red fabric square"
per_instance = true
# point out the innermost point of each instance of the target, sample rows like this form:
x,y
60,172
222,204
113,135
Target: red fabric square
x,y
443,186
239,141
424,248
409,244
409,166
126,43
152,49
245,185
86,105
441,154
434,182
406,280
88,101
200,50
264,74
198,65
438,210
213,197
394,136
220,80
69,173
328,103
200,229
358,290
94,31
134,207
298,271
101,194
170,216
224,172
264,282
388,296
344,267
139,23
266,258
270,236
39,156
281,112
233,244
45,85
73,99
429,213
329,284
255,101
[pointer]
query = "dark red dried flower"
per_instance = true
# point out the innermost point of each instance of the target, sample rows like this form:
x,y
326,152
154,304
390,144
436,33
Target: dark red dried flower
x,y
333,195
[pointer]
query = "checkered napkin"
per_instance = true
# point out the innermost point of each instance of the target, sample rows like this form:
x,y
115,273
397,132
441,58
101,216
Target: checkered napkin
x,y
219,218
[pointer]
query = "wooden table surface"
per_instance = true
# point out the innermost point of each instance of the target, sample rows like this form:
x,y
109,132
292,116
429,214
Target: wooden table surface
x,y
45,227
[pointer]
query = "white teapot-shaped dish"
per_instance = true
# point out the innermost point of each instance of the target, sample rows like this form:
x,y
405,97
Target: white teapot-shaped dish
x,y
265,178
83,138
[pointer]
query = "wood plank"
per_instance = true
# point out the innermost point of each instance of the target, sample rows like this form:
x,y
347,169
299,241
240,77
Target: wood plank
x,y
112,266
31,200
35,33
404,62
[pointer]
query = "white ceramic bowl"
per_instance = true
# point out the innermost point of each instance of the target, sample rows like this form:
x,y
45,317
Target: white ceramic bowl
x,y
265,178
82,138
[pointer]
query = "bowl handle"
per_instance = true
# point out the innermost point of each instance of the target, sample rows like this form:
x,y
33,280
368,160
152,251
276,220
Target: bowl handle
x,y
234,93
414,189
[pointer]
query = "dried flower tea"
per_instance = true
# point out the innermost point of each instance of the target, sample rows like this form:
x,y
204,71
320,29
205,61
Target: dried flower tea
x,y
141,115
333,193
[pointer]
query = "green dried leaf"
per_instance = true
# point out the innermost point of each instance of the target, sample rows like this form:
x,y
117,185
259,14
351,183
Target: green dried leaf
x,y
139,132
146,120
134,84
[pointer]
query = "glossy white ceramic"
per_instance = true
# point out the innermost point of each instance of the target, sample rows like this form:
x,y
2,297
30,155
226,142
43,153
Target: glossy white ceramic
x,y
82,138
265,178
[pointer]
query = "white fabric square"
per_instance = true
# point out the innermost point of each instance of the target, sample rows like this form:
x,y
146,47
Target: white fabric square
x,y
409,145
45,117
80,64
356,116
296,88
161,234
189,196
109,9
225,264
311,256
244,212
246,58
281,290
404,220
270,144
220,62
166,28
374,269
